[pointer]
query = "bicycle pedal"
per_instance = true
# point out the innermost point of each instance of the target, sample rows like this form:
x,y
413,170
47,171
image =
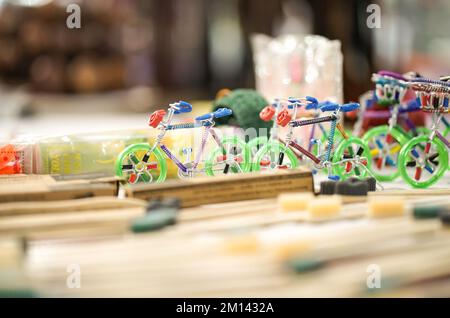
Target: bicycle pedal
x,y
222,158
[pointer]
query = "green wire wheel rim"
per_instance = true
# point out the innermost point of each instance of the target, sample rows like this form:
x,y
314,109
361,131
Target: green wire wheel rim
x,y
142,147
218,151
339,153
381,132
277,147
405,155
446,132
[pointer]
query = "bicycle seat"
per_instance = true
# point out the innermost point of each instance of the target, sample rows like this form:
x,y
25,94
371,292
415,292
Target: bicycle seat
x,y
412,106
220,112
182,107
342,108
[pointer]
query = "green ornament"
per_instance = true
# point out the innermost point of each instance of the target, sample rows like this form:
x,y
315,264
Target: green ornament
x,y
246,105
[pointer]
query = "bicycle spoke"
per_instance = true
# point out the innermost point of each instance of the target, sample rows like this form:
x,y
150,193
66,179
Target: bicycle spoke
x,y
380,162
127,167
133,158
152,165
133,178
433,157
411,164
415,153
145,158
429,169
360,151
418,173
390,161
145,176
379,144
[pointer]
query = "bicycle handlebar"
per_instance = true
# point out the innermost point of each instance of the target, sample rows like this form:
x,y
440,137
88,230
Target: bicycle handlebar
x,y
308,101
330,106
182,107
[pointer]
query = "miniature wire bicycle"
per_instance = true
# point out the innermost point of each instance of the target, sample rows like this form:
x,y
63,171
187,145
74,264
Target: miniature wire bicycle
x,y
146,163
386,141
423,160
350,158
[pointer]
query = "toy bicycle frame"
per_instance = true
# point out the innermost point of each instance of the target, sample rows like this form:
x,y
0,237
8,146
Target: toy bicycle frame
x,y
209,130
333,118
298,123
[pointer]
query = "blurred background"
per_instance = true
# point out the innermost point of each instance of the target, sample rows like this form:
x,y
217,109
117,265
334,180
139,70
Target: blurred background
x,y
134,54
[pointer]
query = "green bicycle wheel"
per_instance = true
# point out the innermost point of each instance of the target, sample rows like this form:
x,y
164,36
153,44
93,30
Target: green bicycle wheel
x,y
348,149
267,157
130,164
233,147
419,167
324,144
384,151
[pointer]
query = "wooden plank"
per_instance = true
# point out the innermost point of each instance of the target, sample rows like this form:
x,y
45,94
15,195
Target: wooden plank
x,y
63,206
199,191
44,188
